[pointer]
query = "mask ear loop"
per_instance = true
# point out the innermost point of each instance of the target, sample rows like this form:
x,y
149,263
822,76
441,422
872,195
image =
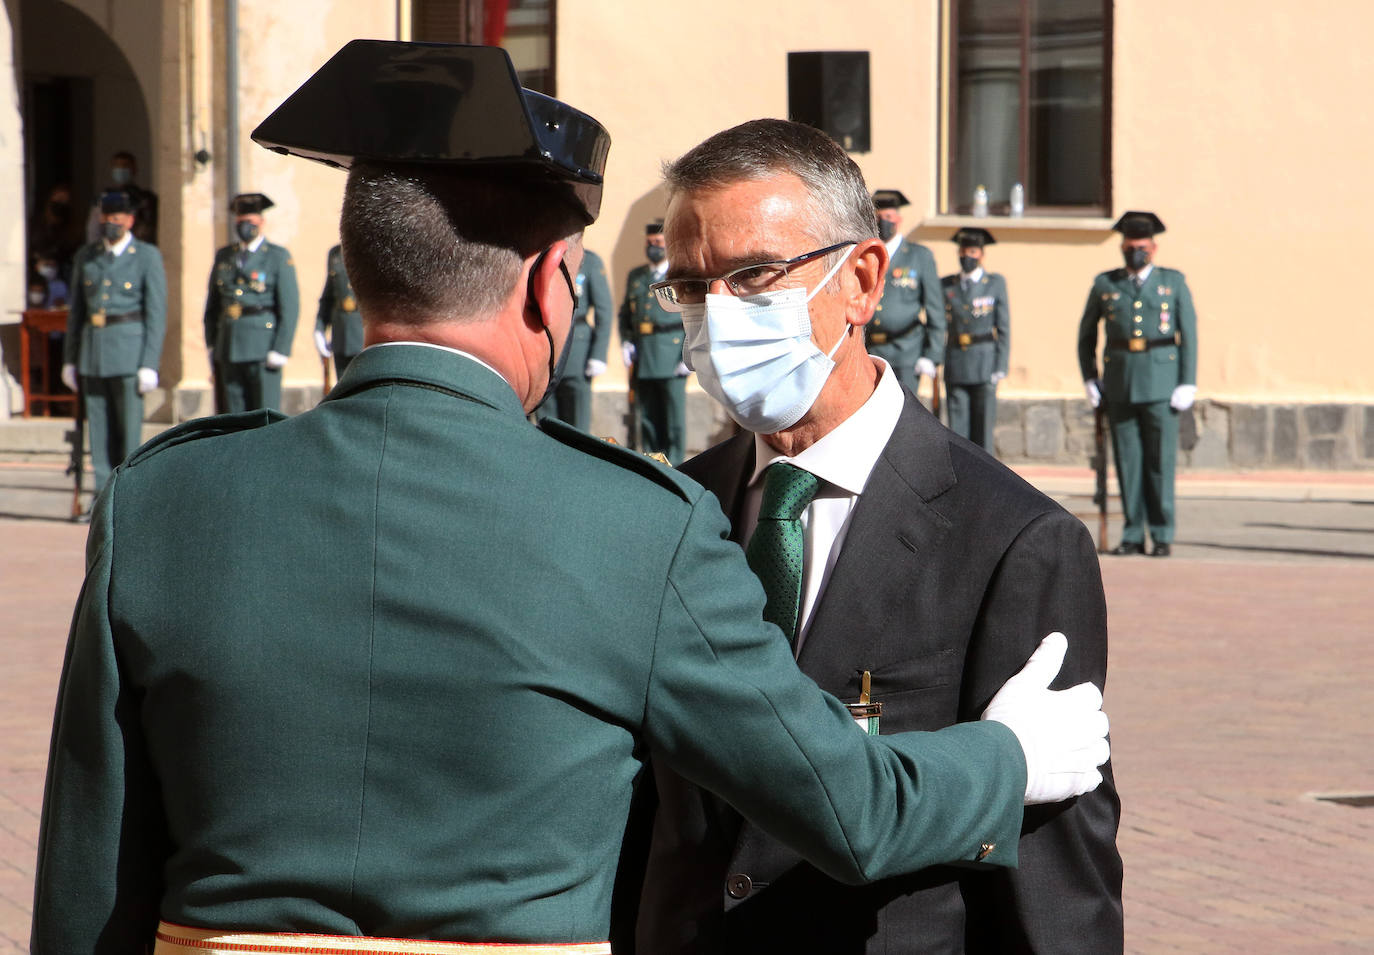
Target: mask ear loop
x,y
529,296
830,355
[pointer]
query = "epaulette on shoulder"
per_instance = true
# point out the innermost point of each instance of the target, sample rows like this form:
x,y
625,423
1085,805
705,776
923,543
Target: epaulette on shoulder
x,y
631,460
205,428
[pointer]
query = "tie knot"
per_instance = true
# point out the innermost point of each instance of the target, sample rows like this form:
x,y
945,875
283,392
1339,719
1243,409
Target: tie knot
x,y
787,490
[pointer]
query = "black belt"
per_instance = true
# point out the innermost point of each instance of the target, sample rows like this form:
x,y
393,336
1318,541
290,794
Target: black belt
x,y
101,319
965,340
885,338
1142,344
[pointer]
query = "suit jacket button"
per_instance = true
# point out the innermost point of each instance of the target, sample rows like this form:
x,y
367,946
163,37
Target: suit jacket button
x,y
739,885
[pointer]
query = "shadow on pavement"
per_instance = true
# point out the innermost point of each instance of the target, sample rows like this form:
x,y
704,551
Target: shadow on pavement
x,y
1312,527
1263,549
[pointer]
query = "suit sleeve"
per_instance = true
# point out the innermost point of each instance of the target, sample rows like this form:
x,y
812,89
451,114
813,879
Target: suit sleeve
x,y
102,841
324,315
598,292
1002,323
933,298
154,309
76,312
288,305
1187,328
728,709
1087,337
1066,893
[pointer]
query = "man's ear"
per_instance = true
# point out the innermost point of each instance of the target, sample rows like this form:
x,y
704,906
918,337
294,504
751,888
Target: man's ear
x,y
545,284
870,267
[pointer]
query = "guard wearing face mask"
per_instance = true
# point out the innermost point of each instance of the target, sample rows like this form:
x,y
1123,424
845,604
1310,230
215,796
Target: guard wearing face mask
x,y
115,326
250,312
651,345
896,334
124,178
979,340
1149,376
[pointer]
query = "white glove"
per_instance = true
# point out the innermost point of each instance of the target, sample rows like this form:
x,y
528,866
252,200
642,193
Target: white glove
x,y
925,367
69,377
1182,398
147,380
681,371
1062,732
595,366
1093,388
275,360
322,344
997,376
627,352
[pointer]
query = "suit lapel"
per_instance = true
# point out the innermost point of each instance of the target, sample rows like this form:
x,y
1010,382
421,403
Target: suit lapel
x,y
725,471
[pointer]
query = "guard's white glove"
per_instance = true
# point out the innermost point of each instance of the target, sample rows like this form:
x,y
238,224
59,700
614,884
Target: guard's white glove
x,y
1062,732
627,352
69,377
595,366
147,380
275,360
1093,389
1182,398
322,344
996,377
681,370
925,367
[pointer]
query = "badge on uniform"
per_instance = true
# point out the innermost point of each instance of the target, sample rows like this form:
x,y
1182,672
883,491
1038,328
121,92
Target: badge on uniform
x,y
349,304
866,712
256,283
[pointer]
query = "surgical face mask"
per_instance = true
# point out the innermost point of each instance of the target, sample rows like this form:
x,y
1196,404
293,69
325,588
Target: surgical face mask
x,y
1136,259
886,229
655,253
121,175
37,296
967,263
755,355
247,231
48,272
112,231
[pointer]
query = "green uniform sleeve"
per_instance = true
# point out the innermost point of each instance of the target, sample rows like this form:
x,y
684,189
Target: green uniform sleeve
x,y
598,292
154,307
1087,336
933,299
76,311
1002,323
211,309
101,810
728,709
1187,332
288,305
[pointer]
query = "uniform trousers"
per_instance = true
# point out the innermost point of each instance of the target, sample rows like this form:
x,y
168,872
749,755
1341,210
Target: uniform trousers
x,y
1145,445
972,411
114,421
248,385
571,402
663,416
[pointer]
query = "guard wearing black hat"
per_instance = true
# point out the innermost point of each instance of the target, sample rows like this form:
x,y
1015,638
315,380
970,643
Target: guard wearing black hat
x,y
376,670
571,401
115,327
979,343
250,312
651,346
1149,376
896,333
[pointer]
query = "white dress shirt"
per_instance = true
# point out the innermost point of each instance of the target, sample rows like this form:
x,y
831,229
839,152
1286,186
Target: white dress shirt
x,y
843,460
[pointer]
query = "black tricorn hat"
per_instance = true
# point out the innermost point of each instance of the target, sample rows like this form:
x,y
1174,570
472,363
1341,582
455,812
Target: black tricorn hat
x,y
438,104
1139,225
972,236
654,228
250,203
115,200
889,199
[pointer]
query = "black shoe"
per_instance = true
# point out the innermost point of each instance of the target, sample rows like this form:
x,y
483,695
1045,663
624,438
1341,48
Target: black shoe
x,y
1127,547
83,518
1161,550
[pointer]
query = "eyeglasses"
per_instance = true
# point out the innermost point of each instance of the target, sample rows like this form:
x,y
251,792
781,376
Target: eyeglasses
x,y
673,294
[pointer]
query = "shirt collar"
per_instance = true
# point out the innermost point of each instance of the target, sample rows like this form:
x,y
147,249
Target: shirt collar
x,y
893,244
658,271
975,275
1144,274
256,244
456,351
119,247
845,457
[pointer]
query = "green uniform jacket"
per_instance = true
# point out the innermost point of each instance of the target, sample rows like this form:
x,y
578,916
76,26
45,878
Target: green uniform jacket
x,y
656,334
982,310
413,695
590,340
910,285
267,281
116,285
1160,310
339,308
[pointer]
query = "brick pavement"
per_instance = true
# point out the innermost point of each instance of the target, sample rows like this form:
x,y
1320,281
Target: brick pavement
x,y
1236,688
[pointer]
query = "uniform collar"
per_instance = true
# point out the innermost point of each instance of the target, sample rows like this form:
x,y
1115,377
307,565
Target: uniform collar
x,y
1143,274
974,277
253,246
119,247
427,364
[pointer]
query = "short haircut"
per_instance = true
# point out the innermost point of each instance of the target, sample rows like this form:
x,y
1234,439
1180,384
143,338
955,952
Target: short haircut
x,y
766,147
127,156
422,244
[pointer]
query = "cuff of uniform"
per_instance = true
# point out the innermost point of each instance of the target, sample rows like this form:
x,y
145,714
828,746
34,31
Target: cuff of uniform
x,y
997,841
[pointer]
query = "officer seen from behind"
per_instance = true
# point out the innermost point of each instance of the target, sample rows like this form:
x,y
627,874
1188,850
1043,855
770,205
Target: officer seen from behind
x,y
250,312
979,342
651,344
896,334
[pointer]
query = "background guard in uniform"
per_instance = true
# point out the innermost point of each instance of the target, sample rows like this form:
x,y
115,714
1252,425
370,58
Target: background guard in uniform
x,y
571,401
1149,375
116,322
651,344
338,315
896,334
250,311
979,344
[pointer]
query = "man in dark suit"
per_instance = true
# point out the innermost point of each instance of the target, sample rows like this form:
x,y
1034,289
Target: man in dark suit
x,y
927,571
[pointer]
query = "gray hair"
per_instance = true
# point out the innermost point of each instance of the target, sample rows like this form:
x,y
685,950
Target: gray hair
x,y
766,147
423,244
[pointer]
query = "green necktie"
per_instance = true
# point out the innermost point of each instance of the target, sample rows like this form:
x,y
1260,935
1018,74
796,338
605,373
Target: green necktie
x,y
776,548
